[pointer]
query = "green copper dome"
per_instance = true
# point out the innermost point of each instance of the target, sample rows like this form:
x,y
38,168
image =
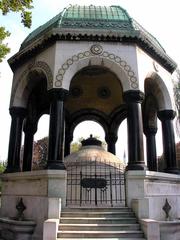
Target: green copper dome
x,y
86,17
96,23
91,13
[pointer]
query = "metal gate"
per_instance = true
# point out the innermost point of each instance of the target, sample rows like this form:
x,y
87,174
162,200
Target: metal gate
x,y
95,185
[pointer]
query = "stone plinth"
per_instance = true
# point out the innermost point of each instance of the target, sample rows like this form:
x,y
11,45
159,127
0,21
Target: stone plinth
x,y
16,230
147,191
43,193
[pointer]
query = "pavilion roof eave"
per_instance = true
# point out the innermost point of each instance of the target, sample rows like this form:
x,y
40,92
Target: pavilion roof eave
x,y
68,34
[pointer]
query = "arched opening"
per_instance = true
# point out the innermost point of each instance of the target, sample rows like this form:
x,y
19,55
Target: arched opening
x,y
159,147
95,94
92,106
83,130
122,142
40,144
36,98
157,100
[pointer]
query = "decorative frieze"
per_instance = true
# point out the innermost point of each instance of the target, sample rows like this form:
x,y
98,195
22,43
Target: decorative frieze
x,y
95,50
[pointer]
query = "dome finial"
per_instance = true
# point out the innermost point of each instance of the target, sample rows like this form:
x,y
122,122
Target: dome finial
x,y
91,141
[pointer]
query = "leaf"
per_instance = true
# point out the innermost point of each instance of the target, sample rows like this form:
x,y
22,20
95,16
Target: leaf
x,y
21,6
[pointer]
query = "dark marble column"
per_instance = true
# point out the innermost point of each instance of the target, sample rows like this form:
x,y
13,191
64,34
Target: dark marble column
x,y
17,115
166,117
111,140
133,100
29,131
150,133
68,140
56,129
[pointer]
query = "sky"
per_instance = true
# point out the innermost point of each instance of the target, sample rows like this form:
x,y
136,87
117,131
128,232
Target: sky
x,y
160,18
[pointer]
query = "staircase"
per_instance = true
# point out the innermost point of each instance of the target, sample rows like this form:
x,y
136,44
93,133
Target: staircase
x,y
99,223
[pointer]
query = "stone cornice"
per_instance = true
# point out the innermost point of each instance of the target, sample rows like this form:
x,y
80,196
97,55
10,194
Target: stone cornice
x,y
66,34
34,175
153,176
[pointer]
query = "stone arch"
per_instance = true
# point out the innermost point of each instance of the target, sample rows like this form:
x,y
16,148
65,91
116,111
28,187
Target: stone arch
x,y
88,115
155,86
20,87
150,108
101,58
117,117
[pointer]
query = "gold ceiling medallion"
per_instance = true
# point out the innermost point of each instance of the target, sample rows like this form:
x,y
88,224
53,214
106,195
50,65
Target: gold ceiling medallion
x,y
96,49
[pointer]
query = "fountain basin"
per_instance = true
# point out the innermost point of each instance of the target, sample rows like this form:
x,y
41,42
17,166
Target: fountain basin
x,y
16,230
169,229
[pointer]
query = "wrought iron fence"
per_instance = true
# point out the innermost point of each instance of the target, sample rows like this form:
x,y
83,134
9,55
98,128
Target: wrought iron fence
x,y
95,184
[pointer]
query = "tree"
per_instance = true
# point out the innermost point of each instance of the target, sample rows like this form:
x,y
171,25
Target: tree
x,y
2,166
40,153
75,146
20,6
4,49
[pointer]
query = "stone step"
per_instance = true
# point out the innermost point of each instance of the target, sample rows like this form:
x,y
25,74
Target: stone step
x,y
99,220
97,226
100,234
99,223
97,209
101,238
97,214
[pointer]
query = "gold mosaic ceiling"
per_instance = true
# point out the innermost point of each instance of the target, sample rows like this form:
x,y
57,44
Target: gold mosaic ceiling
x,y
94,88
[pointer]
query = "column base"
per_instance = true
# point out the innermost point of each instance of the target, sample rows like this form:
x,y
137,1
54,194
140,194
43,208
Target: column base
x,y
172,170
136,166
56,166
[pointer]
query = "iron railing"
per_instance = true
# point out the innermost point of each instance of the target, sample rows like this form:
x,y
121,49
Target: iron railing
x,y
95,185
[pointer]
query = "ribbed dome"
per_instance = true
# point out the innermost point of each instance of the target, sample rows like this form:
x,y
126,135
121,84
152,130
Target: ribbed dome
x,y
89,154
85,17
112,18
95,23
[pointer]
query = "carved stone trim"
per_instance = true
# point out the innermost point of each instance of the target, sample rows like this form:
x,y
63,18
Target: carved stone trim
x,y
32,66
96,49
104,55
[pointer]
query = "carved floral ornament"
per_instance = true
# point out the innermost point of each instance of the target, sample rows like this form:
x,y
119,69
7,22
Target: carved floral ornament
x,y
95,50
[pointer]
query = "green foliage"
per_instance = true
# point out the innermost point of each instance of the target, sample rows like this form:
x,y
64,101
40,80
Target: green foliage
x,y
41,151
21,6
2,167
4,49
7,6
75,146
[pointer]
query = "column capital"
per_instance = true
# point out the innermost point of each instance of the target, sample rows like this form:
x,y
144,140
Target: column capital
x,y
18,111
133,96
166,115
29,127
112,137
150,130
58,94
